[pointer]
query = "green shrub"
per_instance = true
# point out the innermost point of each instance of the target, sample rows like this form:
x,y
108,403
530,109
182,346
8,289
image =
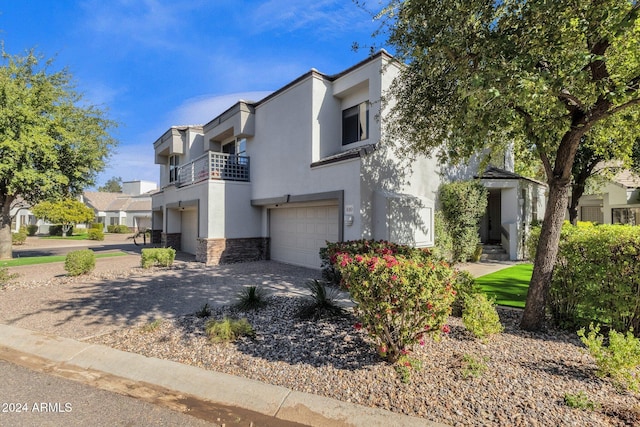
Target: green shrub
x,y
465,286
580,400
463,203
532,242
443,243
152,326
596,278
251,298
96,226
5,276
620,360
79,262
95,234
20,237
228,329
480,316
398,300
56,230
161,257
32,229
473,367
118,229
321,303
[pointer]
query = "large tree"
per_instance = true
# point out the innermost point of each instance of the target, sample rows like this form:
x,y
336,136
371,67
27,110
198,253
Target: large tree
x,y
52,143
482,73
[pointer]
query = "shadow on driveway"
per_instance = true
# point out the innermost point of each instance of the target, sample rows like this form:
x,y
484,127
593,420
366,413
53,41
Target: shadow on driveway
x,y
79,309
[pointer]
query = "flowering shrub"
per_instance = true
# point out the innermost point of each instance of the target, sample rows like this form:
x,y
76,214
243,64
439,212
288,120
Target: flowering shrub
x,y
330,253
399,301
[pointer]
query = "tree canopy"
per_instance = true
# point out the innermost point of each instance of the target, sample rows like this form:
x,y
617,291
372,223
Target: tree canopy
x,y
52,143
66,212
548,75
113,185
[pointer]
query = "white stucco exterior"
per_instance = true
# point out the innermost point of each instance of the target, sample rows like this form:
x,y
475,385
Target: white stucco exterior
x,y
285,174
289,151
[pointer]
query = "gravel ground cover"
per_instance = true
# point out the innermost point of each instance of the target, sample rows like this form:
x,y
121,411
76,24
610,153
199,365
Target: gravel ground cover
x,y
526,379
525,382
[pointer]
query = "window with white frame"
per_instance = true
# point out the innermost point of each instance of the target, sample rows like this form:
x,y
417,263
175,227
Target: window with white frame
x,y
629,216
355,123
174,162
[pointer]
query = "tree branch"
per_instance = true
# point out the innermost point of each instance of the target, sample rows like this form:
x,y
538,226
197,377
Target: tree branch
x,y
571,102
621,107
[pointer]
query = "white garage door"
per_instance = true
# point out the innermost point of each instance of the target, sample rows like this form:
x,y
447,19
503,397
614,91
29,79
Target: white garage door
x,y
297,234
188,239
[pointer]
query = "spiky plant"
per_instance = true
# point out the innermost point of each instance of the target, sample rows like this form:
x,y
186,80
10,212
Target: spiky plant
x,y
251,298
321,303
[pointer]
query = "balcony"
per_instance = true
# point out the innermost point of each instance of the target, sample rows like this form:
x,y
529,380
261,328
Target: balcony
x,y
214,166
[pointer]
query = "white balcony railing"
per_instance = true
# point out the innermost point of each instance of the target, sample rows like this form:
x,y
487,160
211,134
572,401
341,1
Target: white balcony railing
x,y
218,166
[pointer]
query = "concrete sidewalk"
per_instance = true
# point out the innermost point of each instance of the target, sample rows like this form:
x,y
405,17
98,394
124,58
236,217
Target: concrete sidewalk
x,y
234,400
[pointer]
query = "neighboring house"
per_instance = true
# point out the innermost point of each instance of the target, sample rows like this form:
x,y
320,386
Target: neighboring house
x,y
277,178
132,207
21,216
617,203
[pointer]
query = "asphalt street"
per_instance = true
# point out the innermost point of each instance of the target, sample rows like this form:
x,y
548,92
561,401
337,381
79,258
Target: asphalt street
x,y
29,398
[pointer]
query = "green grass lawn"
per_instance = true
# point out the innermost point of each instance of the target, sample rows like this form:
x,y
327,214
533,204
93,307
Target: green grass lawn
x,y
508,286
46,259
82,236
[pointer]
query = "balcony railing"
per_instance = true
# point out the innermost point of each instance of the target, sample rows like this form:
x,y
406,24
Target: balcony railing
x,y
218,166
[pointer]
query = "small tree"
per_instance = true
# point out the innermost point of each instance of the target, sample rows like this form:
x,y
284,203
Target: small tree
x,y
67,212
114,185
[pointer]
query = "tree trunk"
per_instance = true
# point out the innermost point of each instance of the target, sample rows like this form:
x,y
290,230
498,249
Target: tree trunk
x,y
5,233
576,192
546,255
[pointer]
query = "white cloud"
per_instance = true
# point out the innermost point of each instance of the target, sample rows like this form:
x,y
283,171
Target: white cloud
x,y
152,23
325,18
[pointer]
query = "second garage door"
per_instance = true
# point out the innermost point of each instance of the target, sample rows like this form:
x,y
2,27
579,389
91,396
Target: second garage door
x,y
298,233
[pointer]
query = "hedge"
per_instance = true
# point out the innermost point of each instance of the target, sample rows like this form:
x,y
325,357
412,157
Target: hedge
x,y
597,277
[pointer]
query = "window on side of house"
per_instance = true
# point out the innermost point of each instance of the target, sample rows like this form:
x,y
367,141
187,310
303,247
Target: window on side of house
x,y
629,216
174,162
355,123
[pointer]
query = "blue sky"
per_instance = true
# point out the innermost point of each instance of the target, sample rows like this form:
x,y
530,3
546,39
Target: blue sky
x,y
157,63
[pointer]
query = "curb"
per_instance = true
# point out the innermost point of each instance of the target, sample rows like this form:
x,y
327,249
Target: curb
x,y
157,380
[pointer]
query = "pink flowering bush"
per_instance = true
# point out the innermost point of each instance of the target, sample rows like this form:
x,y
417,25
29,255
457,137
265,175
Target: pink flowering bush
x,y
400,301
329,254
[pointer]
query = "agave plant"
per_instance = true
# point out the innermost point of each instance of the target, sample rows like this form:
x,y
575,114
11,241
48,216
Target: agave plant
x,y
321,302
251,298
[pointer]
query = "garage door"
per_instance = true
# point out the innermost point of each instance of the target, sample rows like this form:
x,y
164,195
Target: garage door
x,y
188,239
297,234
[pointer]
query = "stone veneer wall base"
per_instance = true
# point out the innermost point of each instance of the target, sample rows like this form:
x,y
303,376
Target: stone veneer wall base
x,y
229,251
172,240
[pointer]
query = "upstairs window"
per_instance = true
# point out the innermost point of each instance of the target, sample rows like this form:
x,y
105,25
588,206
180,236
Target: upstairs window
x,y
174,162
355,123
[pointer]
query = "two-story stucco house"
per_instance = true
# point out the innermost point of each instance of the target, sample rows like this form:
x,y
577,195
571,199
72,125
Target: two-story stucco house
x,y
277,178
